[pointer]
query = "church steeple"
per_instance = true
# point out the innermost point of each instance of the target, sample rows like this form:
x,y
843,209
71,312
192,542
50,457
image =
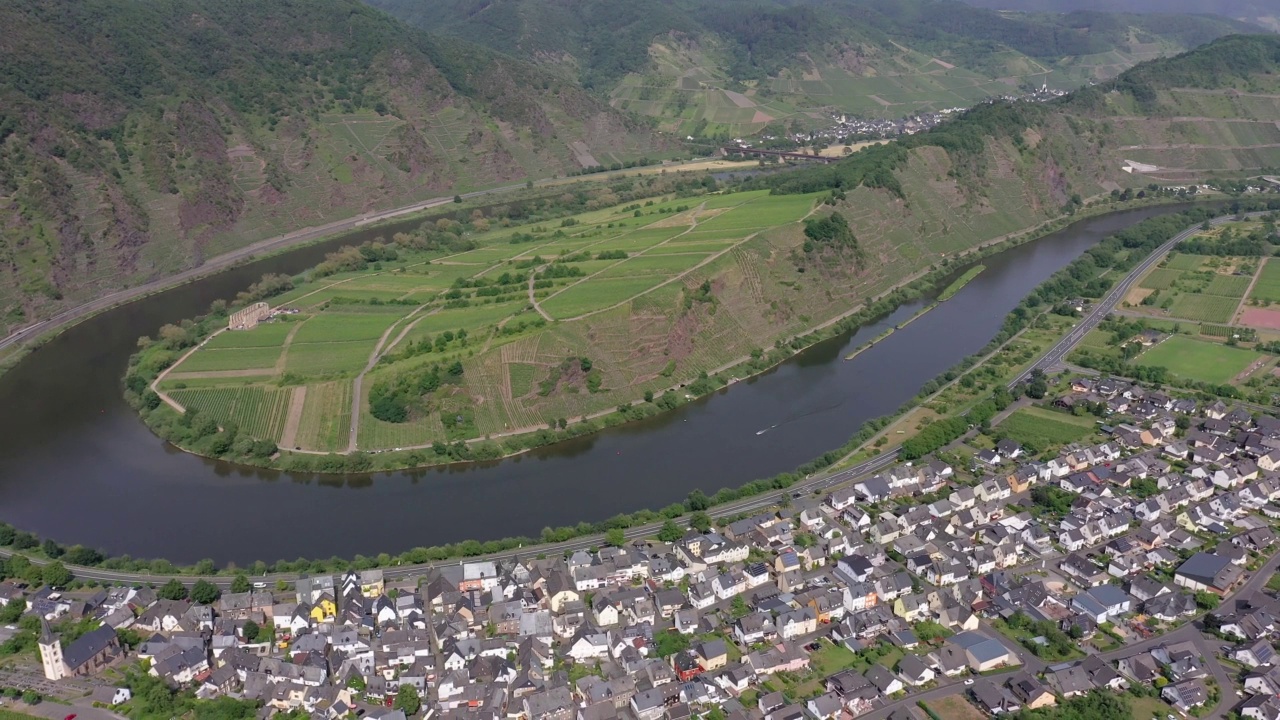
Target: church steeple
x,y
51,652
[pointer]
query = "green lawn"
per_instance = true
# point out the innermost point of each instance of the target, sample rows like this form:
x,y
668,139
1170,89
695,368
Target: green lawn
x,y
1198,359
832,658
208,359
1148,708
1043,428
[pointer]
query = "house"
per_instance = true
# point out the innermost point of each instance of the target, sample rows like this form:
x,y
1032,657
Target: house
x,y
1030,692
914,671
1185,695
992,698
984,653
884,681
111,696
1207,571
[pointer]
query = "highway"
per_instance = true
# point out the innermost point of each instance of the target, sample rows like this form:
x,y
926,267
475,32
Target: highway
x,y
809,485
1103,307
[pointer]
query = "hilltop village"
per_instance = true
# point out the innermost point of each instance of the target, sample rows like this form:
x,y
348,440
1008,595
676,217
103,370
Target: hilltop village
x,y
1007,582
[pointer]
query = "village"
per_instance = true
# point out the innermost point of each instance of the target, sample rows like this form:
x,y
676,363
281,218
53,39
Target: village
x,y
1140,564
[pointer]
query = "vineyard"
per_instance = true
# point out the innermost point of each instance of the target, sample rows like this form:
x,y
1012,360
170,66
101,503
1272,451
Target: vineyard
x,y
326,416
1209,308
258,411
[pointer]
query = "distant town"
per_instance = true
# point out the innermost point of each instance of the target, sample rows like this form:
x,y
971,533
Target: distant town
x,y
844,129
990,578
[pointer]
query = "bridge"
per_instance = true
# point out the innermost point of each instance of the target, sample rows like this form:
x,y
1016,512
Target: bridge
x,y
778,154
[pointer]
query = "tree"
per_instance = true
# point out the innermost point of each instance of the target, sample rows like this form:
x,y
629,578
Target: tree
x,y
173,590
11,612
251,631
407,699
457,198
670,532
700,521
1206,600
240,584
615,537
205,592
55,574
738,607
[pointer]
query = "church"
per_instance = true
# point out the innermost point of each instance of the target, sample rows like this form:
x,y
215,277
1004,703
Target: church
x,y
87,654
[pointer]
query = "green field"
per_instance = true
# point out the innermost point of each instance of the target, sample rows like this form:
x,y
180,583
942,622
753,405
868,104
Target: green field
x,y
1160,279
211,359
1267,288
1042,429
1184,262
318,359
1232,286
342,327
1198,359
597,295
270,334
1209,308
326,416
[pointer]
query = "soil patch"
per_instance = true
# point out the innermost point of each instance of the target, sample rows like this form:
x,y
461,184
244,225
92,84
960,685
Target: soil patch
x,y
299,398
1137,295
1261,318
761,117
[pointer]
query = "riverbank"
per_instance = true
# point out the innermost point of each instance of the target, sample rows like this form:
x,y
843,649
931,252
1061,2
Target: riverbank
x,y
21,342
960,282
206,440
758,493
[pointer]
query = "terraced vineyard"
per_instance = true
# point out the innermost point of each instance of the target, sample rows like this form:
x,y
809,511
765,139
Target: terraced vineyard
x,y
509,313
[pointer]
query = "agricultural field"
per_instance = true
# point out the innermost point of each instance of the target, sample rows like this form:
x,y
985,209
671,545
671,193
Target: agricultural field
x,y
1199,360
500,331
1043,429
1267,289
1208,308
257,411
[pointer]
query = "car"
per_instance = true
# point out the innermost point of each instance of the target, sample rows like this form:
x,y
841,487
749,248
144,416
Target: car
x,y
259,585
1170,716
72,716
969,681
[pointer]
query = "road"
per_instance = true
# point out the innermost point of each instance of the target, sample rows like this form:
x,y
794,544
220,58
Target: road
x,y
1103,307
746,505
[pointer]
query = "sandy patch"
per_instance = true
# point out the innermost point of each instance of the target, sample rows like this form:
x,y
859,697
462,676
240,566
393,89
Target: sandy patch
x,y
838,150
945,65
1137,295
290,437
761,117
739,99
1261,318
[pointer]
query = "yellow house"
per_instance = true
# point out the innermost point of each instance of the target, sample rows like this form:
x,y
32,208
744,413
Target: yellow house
x,y
324,609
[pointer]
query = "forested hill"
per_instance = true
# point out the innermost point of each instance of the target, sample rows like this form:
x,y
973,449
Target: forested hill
x,y
603,40
138,136
1261,12
1219,102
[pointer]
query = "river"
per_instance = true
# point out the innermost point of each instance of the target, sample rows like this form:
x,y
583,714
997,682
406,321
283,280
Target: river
x,y
77,465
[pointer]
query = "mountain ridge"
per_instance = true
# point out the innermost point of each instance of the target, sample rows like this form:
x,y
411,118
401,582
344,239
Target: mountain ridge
x,y
138,138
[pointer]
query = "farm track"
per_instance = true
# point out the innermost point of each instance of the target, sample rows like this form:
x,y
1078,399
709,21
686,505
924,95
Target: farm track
x,y
1235,317
284,352
297,400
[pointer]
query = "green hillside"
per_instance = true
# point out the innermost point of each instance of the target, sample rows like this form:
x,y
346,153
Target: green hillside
x,y
650,289
721,68
139,136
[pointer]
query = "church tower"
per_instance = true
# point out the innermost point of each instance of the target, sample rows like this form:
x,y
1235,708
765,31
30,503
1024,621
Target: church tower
x,y
51,653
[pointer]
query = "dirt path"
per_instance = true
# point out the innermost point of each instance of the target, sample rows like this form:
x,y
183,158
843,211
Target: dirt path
x,y
155,384
359,381
284,354
1235,317
296,402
